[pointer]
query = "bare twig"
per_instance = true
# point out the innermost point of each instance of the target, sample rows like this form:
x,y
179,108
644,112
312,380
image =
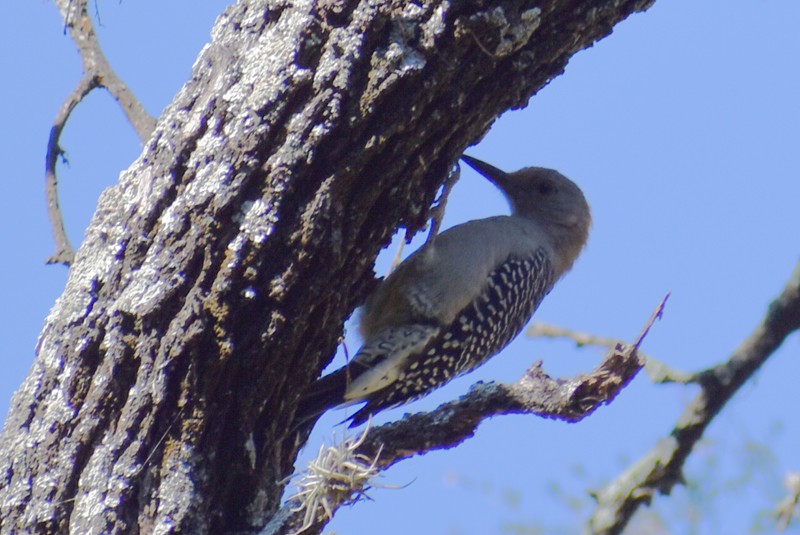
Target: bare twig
x,y
656,370
660,373
437,212
657,314
437,215
546,330
97,73
64,251
398,256
661,468
79,26
787,509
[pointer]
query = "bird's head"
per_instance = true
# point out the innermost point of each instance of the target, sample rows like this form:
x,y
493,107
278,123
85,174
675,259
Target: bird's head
x,y
550,199
545,196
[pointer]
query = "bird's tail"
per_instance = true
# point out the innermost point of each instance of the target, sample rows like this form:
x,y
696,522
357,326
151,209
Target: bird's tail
x,y
323,394
376,366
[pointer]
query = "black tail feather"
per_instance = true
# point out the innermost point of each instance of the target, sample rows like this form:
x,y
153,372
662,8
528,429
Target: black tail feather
x,y
323,394
361,416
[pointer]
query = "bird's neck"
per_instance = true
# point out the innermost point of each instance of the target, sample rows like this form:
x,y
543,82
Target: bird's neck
x,y
568,242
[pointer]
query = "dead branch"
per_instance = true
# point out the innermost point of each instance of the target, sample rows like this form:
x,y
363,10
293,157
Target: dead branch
x,y
452,423
658,371
97,73
661,468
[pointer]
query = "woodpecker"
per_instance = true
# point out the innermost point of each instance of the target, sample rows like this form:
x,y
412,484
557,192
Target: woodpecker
x,y
462,297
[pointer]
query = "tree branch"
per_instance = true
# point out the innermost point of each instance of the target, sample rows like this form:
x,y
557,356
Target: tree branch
x,y
97,73
452,423
656,370
661,468
535,393
787,508
79,26
64,251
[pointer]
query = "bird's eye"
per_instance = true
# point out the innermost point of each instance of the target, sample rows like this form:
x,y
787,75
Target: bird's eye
x,y
547,188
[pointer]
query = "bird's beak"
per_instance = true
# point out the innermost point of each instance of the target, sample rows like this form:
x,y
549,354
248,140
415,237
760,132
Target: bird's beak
x,y
495,175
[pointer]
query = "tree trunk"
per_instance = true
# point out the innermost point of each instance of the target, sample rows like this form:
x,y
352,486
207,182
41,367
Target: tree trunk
x,y
215,277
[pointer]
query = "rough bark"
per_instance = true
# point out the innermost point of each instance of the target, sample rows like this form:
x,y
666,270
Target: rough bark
x,y
215,277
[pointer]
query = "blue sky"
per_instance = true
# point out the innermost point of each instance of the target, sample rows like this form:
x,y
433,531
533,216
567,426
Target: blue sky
x,y
682,128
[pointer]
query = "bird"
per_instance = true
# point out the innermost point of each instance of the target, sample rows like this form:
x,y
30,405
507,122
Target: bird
x,y
461,298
